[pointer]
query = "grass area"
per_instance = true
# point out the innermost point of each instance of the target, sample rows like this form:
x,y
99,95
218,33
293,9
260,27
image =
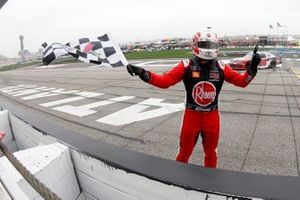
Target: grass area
x,y
182,53
224,49
37,63
159,54
224,52
18,65
62,61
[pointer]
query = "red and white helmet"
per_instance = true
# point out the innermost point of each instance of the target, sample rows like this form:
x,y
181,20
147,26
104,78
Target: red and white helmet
x,y
205,44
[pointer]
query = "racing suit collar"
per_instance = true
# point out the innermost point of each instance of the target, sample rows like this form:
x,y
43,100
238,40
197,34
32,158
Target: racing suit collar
x,y
203,63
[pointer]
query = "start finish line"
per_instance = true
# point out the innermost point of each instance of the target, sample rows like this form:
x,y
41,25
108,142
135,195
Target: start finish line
x,y
147,109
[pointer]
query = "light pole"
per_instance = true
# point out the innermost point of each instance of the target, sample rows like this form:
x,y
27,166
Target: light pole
x,y
21,37
279,26
285,34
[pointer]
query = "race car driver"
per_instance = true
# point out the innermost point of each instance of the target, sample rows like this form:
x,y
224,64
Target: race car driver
x,y
203,76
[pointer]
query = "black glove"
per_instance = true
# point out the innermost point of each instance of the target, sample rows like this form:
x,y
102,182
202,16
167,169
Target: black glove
x,y
252,67
138,71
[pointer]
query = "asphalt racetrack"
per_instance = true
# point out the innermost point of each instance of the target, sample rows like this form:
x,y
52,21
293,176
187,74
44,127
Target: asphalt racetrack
x,y
260,124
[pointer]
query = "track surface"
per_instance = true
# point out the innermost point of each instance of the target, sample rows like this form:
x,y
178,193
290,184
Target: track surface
x,y
260,125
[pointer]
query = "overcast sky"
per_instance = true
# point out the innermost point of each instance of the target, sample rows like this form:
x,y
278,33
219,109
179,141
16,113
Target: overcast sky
x,y
137,20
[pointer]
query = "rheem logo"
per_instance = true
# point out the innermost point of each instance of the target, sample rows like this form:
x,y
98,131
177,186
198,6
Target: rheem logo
x,y
204,93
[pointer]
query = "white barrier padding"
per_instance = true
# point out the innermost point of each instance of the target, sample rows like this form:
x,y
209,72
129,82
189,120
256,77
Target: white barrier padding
x,y
5,126
52,165
106,182
26,136
16,185
3,193
86,196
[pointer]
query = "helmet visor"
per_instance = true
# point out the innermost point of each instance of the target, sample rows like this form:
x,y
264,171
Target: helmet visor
x,y
207,45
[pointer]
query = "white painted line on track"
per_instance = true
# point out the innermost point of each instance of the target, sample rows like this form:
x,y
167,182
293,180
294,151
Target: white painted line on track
x,y
50,66
296,72
98,66
94,66
147,109
82,95
86,110
40,95
291,59
62,101
146,63
13,89
139,112
159,65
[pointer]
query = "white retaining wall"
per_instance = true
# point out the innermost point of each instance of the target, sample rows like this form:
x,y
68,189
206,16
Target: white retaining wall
x,y
26,136
105,182
51,164
5,126
96,180
48,161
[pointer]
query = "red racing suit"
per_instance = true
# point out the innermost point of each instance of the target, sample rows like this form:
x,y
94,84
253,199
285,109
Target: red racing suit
x,y
203,83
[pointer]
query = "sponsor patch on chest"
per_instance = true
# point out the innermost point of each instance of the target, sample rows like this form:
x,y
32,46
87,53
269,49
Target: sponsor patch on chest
x,y
214,76
204,93
196,74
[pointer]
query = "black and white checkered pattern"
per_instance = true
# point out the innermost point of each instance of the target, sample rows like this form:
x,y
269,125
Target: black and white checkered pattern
x,y
82,56
53,51
101,50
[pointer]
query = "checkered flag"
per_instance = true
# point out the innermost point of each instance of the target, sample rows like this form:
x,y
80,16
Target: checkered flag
x,y
82,56
53,51
100,50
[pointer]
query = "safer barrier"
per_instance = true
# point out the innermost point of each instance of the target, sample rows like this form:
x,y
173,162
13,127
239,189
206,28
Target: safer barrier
x,y
105,171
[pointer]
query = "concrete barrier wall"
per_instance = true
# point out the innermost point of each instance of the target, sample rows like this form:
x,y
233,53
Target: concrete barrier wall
x,y
105,171
103,181
8,140
96,179
51,164
26,136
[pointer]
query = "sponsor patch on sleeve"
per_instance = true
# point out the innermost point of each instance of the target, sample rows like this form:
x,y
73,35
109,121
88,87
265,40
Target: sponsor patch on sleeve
x,y
248,79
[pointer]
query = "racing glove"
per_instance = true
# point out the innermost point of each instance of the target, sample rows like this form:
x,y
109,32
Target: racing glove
x,y
252,67
134,70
